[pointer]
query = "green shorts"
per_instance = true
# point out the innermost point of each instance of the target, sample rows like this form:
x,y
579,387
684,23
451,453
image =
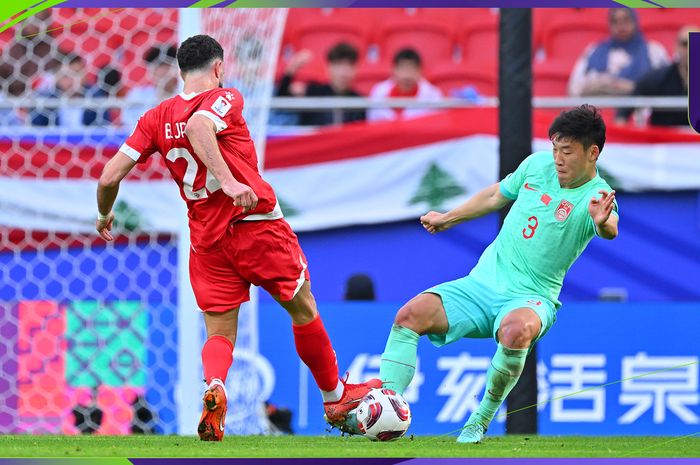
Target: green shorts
x,y
475,311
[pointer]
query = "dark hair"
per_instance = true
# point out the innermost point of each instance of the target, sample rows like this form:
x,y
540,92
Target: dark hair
x,y
407,54
161,54
198,52
71,58
633,14
359,287
110,77
342,52
583,124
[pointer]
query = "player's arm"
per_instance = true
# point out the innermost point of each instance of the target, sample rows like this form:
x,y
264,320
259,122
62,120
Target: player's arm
x,y
201,132
484,202
601,211
107,189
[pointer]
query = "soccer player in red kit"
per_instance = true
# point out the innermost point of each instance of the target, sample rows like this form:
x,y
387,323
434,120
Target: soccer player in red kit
x,y
237,231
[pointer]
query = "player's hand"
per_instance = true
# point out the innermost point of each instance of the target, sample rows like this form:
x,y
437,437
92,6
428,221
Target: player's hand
x,y
600,209
104,227
434,222
298,61
242,195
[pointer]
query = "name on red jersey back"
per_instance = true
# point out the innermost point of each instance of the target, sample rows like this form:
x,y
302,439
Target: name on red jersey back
x,y
210,211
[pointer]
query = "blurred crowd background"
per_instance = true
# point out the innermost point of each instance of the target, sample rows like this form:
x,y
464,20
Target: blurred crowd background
x,y
421,53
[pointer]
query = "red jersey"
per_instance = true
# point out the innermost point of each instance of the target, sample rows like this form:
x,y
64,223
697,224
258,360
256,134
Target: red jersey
x,y
210,211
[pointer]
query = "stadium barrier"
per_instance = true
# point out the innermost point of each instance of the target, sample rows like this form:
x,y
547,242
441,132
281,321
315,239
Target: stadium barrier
x,y
603,369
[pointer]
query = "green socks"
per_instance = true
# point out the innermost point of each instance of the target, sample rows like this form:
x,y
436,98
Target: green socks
x,y
399,359
501,377
399,365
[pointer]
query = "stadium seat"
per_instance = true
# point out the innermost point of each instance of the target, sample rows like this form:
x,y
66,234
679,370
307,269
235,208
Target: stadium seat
x,y
432,39
680,16
370,74
664,27
450,77
104,24
551,79
565,39
320,36
6,37
371,17
97,53
75,20
451,17
541,18
297,17
478,39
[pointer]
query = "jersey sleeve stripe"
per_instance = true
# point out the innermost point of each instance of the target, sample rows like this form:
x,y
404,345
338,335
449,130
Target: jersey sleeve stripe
x,y
220,124
131,153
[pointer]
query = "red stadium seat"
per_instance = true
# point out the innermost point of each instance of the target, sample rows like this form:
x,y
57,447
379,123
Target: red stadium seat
x,y
370,74
371,17
680,16
478,39
451,17
297,17
551,79
665,34
321,36
664,27
6,37
541,18
449,77
432,39
565,39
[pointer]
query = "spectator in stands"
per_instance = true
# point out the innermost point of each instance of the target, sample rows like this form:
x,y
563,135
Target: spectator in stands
x,y
342,69
29,56
107,86
12,115
670,80
613,66
407,81
163,74
68,82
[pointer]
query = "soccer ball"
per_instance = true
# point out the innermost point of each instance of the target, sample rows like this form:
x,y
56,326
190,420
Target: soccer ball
x,y
383,415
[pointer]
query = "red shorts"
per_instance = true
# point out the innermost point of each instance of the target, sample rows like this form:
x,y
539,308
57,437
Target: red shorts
x,y
263,253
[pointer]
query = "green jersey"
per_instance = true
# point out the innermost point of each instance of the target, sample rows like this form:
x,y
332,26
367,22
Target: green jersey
x,y
545,231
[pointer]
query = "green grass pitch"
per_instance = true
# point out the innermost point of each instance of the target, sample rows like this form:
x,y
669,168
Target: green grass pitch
x,y
347,447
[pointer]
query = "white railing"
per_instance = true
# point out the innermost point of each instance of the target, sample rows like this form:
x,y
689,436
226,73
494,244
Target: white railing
x,y
349,103
337,104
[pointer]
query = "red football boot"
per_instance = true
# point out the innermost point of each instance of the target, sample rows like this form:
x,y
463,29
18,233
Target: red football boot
x,y
211,424
337,412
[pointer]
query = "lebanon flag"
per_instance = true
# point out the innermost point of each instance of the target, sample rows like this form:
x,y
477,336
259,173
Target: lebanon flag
x,y
356,174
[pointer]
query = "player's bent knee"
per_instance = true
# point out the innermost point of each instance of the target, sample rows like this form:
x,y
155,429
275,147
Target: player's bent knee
x,y
417,315
517,334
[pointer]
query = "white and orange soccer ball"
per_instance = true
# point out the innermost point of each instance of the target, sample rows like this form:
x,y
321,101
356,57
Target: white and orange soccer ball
x,y
383,415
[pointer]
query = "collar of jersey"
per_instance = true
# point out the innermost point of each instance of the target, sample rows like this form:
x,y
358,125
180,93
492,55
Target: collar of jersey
x,y
189,96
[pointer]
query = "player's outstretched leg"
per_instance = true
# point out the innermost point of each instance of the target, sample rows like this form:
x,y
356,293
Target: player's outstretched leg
x,y
217,357
421,315
517,331
315,350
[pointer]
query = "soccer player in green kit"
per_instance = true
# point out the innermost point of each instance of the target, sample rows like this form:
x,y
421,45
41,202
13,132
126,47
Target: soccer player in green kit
x,y
560,204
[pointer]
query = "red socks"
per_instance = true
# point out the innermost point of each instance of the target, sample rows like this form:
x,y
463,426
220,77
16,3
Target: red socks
x,y
315,350
312,343
217,357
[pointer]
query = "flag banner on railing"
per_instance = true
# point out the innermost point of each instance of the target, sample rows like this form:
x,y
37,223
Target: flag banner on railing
x,y
356,174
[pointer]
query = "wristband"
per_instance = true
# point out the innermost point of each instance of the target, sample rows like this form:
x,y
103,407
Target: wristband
x,y
101,217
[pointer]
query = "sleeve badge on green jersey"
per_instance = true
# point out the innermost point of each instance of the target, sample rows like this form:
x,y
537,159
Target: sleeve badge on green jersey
x,y
563,210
